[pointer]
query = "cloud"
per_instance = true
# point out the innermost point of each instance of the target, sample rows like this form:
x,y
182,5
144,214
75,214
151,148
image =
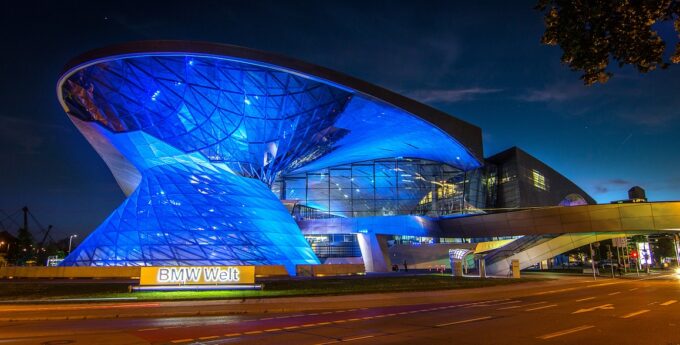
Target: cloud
x,y
651,119
29,135
612,184
619,182
554,93
449,95
600,189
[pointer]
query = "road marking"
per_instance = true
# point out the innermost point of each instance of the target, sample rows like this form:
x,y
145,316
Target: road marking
x,y
464,321
633,289
291,327
635,313
328,342
253,332
181,340
604,284
521,306
554,291
147,329
323,323
668,302
358,338
272,330
232,334
565,332
614,293
543,307
208,338
341,321
585,310
492,305
585,299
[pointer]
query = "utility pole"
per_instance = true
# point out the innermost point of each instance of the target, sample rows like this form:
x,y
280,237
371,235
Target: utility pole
x,y
25,209
648,254
592,260
70,241
676,239
609,256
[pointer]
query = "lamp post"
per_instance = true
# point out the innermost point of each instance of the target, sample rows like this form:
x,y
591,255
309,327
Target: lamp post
x,y
70,241
592,260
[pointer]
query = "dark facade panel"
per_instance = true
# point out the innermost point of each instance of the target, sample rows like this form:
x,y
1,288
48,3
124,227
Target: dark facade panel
x,y
524,181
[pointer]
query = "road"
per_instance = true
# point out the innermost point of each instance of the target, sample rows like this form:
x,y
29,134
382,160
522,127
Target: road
x,y
564,311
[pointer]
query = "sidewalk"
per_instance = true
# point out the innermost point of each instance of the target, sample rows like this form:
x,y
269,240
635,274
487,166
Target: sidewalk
x,y
129,309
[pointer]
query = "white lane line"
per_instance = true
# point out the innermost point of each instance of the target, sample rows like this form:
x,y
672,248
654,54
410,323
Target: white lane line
x,y
585,299
508,302
668,302
599,307
464,321
358,338
633,289
565,332
492,305
635,313
521,306
614,293
556,291
543,307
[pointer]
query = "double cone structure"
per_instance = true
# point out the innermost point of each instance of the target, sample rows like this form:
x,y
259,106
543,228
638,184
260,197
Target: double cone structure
x,y
196,133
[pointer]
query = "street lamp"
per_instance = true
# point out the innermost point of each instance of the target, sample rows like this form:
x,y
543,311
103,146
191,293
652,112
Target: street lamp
x,y
70,241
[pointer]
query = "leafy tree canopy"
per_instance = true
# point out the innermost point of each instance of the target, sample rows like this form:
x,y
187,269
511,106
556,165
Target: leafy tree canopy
x,y
591,33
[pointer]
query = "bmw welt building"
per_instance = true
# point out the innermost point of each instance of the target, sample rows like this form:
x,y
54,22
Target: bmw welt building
x,y
234,156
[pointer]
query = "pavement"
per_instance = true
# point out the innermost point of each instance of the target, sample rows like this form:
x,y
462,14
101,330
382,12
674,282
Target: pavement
x,y
567,310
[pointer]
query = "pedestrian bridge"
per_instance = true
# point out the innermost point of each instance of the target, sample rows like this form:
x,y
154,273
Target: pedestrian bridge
x,y
572,227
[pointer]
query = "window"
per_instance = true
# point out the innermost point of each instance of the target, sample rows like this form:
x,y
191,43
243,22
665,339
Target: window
x,y
539,179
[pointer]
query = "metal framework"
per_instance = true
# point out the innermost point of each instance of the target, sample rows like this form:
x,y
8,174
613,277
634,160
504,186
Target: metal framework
x,y
196,135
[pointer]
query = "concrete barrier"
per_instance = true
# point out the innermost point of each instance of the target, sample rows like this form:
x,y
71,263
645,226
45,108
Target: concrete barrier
x,y
133,272
111,272
329,270
117,272
270,271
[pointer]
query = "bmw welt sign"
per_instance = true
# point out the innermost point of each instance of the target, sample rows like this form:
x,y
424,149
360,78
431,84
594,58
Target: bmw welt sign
x,y
197,275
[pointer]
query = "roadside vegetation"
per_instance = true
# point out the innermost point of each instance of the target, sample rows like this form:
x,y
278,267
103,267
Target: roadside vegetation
x,y
32,290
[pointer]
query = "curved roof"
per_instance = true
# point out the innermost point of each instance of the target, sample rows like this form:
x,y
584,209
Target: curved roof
x,y
266,112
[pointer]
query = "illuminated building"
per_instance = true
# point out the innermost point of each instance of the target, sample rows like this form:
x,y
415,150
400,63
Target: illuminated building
x,y
224,153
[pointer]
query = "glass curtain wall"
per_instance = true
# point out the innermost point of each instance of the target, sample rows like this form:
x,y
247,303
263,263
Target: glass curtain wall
x,y
385,187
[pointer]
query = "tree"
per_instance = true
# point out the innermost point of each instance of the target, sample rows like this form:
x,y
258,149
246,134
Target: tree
x,y
665,247
591,33
22,250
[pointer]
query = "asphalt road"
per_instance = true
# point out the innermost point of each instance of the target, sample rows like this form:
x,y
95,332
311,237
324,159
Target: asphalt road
x,y
565,311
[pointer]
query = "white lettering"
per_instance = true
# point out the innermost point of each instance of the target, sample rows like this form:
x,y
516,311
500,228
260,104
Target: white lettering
x,y
216,274
194,274
179,275
163,275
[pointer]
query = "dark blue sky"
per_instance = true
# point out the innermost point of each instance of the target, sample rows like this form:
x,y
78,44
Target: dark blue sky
x,y
482,63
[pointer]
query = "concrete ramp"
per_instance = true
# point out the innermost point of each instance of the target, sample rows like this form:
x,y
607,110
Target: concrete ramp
x,y
543,249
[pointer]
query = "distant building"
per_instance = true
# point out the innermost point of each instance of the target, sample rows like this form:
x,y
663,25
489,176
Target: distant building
x,y
635,194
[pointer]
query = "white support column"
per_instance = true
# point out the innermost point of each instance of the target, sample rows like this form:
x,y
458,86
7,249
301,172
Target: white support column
x,y
374,252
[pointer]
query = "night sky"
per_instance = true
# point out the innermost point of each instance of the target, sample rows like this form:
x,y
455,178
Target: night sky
x,y
482,63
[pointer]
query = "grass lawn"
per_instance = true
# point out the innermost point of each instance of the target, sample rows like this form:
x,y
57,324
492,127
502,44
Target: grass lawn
x,y
50,290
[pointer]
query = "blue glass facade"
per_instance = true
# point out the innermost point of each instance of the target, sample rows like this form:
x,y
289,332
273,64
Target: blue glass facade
x,y
197,142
